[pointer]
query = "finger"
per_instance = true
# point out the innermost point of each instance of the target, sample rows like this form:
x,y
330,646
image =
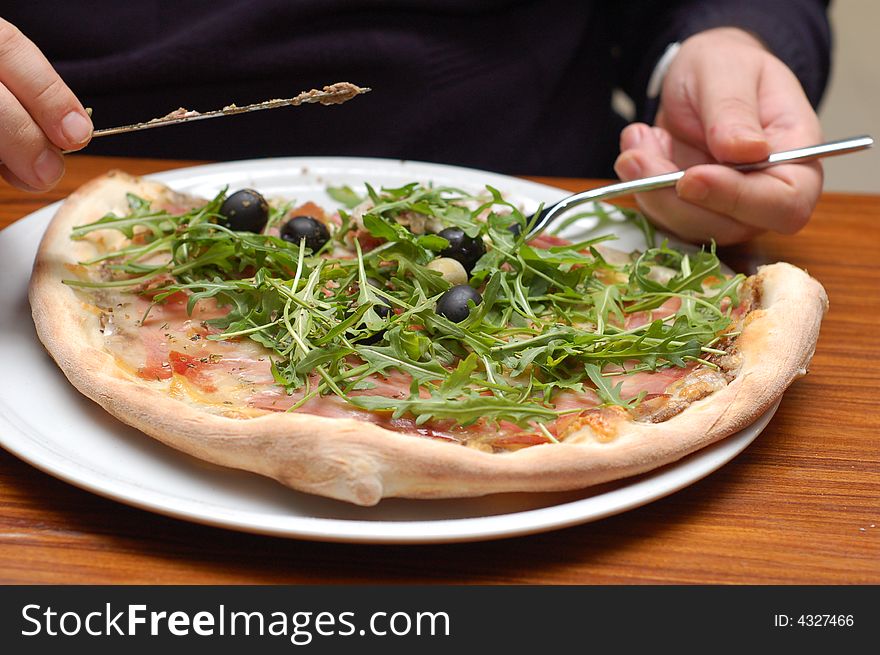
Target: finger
x,y
729,110
15,181
792,123
631,136
689,221
644,148
24,149
663,206
658,142
30,77
781,200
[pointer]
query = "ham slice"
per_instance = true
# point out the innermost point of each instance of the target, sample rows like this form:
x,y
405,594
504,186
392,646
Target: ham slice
x,y
174,348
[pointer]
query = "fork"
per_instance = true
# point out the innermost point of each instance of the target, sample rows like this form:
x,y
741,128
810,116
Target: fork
x,y
540,221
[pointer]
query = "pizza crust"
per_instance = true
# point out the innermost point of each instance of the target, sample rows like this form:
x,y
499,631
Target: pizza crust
x,y
362,463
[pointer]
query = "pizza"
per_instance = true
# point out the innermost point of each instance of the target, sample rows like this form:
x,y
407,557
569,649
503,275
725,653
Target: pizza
x,y
407,342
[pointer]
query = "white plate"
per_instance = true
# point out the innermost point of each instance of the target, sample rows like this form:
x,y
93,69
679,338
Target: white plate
x,y
46,422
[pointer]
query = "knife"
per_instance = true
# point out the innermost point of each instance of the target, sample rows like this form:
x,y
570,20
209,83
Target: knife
x,y
333,94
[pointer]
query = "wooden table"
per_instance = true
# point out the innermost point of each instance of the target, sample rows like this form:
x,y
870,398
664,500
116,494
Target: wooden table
x,y
800,505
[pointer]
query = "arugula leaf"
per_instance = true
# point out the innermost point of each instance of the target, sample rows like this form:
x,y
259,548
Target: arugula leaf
x,y
607,304
345,196
550,319
464,411
608,392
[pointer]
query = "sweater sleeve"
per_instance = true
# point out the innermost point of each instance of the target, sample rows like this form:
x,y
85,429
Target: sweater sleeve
x,y
796,31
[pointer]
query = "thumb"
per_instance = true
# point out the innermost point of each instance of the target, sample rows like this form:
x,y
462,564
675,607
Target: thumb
x,y
730,114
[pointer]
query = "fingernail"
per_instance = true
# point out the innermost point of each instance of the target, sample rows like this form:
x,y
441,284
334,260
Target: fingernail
x,y
76,127
692,189
632,136
637,135
628,168
49,167
750,145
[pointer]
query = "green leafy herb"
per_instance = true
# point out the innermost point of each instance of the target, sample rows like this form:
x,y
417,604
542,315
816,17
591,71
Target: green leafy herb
x,y
551,319
345,196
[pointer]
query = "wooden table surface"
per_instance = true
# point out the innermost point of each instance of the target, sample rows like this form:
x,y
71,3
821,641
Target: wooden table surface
x,y
800,505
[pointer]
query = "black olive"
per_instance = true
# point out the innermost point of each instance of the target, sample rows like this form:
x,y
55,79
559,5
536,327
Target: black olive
x,y
245,211
383,310
462,248
305,227
515,229
454,303
370,339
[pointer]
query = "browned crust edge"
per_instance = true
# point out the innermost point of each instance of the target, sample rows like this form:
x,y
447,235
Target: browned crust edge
x,y
363,463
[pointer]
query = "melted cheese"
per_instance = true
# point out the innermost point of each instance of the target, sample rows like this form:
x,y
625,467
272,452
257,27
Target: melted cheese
x,y
164,347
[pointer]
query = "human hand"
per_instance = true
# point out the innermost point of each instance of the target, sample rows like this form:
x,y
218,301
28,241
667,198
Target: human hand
x,y
39,115
725,99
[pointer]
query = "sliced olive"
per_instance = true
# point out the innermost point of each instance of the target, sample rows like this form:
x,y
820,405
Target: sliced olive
x,y
454,303
462,248
305,227
245,211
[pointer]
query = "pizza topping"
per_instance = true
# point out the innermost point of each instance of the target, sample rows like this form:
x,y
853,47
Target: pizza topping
x,y
658,408
192,368
451,270
464,249
599,424
306,230
731,360
180,112
509,333
455,304
697,385
245,210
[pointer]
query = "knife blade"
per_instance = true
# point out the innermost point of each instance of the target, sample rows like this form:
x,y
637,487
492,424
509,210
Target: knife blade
x,y
333,94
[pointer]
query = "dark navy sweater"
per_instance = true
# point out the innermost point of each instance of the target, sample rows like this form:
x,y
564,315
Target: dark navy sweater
x,y
516,86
